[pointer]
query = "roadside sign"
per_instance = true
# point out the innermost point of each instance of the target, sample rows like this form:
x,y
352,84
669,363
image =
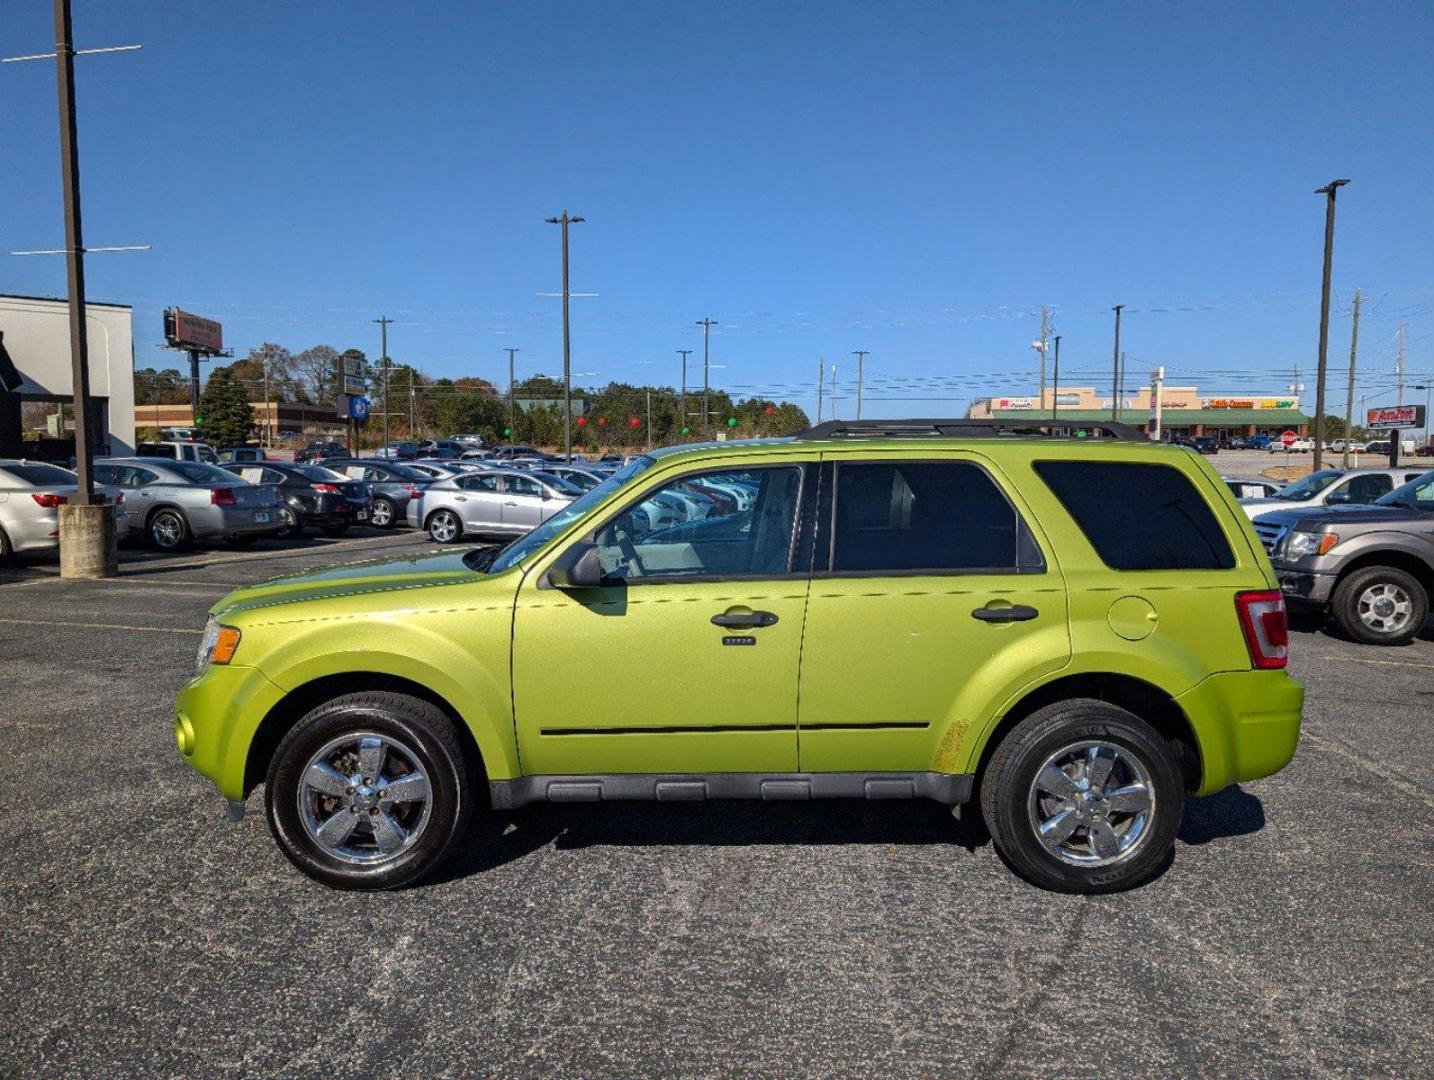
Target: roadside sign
x,y
358,408
1288,439
1394,417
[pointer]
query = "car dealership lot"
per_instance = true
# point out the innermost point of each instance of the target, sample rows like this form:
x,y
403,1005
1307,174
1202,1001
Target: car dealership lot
x,y
1289,936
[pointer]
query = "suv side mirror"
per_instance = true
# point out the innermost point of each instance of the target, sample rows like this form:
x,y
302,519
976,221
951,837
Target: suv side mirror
x,y
577,568
1339,497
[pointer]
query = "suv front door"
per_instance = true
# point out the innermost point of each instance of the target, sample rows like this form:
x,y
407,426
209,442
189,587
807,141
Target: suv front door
x,y
635,676
931,600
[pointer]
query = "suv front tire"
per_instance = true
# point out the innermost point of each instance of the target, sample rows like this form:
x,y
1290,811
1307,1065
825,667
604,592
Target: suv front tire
x,y
1083,797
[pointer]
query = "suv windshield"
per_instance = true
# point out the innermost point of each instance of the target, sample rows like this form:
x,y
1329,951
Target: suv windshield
x,y
1306,489
1418,494
524,546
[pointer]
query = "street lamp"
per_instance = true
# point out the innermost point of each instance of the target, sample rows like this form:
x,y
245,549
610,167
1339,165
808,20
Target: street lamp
x,y
707,325
1039,347
1328,191
565,221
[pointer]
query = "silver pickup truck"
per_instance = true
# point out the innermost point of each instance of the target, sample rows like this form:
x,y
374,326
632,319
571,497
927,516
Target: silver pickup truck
x,y
1371,567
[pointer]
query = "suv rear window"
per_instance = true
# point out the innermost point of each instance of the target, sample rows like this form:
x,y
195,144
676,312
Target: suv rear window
x,y
1139,516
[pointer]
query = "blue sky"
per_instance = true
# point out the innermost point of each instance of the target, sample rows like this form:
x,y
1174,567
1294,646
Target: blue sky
x,y
914,179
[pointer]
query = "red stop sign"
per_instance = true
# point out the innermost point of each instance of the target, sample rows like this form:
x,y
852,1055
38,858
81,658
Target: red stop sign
x,y
1288,438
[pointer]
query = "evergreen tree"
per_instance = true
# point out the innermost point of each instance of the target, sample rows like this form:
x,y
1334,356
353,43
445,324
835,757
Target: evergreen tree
x,y
224,413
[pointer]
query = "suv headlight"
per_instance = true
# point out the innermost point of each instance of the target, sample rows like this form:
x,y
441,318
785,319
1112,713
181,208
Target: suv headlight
x,y
218,645
1308,543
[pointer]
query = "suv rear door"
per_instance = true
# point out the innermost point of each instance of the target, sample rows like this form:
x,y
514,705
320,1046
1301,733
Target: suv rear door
x,y
933,599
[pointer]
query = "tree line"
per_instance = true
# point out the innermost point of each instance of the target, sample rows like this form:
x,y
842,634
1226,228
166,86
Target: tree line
x,y
617,415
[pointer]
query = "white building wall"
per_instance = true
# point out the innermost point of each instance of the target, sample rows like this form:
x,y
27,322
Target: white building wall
x,y
37,337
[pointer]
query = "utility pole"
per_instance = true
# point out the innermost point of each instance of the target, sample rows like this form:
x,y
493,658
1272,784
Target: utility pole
x,y
512,383
1349,391
1399,364
268,415
1115,363
821,378
649,418
1045,340
682,396
834,392
383,324
411,425
861,355
1328,191
1056,390
565,221
707,325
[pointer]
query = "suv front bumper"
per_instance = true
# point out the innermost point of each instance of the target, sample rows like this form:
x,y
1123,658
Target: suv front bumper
x,y
1306,581
1247,724
215,718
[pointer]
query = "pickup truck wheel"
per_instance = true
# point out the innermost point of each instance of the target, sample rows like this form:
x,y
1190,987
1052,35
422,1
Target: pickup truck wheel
x,y
370,791
1380,605
1083,797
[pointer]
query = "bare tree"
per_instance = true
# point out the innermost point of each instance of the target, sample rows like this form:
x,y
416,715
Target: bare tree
x,y
318,370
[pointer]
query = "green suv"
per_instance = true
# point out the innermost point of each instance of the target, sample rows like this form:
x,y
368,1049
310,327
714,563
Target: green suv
x,y
1076,632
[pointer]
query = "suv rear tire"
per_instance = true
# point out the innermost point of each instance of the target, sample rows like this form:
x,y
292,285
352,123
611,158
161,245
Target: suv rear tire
x,y
327,785
1380,605
1083,797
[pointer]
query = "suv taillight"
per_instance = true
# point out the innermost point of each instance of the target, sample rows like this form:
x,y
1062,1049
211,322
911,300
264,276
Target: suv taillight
x,y
48,499
221,496
1266,627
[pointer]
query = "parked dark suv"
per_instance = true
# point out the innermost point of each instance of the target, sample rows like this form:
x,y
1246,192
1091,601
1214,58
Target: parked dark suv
x,y
319,451
312,495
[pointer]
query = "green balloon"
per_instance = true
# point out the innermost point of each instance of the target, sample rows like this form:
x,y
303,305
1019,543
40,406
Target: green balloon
x,y
687,431
507,431
731,421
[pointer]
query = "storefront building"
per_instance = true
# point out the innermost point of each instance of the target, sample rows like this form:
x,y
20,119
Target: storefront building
x,y
1184,411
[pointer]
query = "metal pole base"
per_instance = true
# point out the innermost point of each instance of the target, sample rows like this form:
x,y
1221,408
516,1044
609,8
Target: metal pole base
x,y
87,541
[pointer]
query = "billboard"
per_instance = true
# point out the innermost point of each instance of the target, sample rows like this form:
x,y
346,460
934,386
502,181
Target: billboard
x,y
1394,417
185,331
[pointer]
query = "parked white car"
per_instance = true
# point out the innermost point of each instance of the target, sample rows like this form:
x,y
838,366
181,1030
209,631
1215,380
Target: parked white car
x,y
1332,487
31,494
1355,446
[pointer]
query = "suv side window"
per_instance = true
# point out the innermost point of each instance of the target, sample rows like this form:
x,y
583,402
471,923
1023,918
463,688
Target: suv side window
x,y
733,523
941,517
1139,516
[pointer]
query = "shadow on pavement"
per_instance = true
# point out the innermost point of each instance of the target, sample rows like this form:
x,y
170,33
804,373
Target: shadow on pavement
x,y
497,839
1232,812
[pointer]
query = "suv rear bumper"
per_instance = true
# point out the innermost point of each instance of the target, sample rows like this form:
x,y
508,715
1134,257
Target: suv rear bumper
x,y
1247,724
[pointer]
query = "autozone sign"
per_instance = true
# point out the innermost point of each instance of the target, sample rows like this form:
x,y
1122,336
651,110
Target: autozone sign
x,y
1395,417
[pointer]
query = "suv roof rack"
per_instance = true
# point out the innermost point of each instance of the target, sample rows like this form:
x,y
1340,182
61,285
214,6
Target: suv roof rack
x,y
970,429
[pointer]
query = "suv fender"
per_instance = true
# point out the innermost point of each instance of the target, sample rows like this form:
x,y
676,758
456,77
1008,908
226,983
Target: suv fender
x,y
481,698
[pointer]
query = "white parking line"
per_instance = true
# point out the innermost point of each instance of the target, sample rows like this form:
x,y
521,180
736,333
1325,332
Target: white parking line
x,y
103,626
1381,663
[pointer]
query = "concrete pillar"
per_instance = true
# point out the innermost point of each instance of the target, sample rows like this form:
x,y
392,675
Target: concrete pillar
x,y
87,541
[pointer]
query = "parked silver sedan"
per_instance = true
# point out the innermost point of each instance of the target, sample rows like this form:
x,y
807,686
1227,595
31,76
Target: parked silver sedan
x,y
498,502
31,494
175,502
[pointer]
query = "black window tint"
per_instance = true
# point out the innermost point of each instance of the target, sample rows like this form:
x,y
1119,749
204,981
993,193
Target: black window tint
x,y
1367,487
1139,517
923,516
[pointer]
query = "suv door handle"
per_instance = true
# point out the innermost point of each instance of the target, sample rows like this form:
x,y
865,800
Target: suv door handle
x,y
1013,613
750,618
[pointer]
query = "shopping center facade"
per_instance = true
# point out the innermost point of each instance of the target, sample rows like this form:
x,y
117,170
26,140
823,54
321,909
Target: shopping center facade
x,y
1184,410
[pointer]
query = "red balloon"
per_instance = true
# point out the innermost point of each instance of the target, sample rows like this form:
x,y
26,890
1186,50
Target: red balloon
x,y
582,421
771,410
634,422
602,421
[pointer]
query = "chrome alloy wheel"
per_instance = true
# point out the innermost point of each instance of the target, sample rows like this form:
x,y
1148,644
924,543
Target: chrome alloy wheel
x,y
167,529
443,527
382,515
364,798
1092,803
1384,607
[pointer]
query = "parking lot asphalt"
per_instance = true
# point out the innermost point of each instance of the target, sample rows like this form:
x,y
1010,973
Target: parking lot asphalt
x,y
1291,935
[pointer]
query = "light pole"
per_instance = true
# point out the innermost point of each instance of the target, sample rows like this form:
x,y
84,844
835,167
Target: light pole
x,y
1328,191
1115,365
565,221
1056,389
682,398
512,383
707,325
383,323
861,355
